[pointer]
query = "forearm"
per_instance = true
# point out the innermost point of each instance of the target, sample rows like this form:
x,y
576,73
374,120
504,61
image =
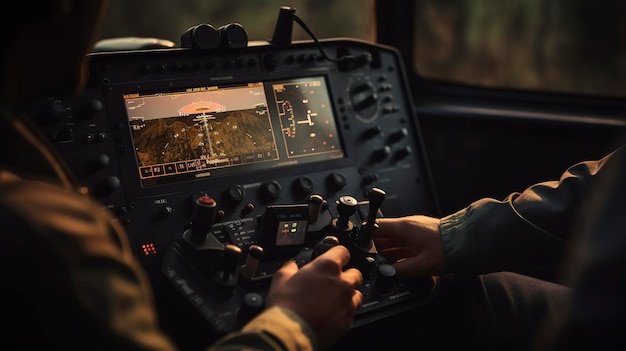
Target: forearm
x,y
525,231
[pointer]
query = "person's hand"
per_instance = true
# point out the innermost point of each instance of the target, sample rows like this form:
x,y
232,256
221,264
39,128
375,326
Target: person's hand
x,y
413,243
321,293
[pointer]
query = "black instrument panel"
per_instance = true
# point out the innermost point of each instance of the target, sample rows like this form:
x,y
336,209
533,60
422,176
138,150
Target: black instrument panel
x,y
203,154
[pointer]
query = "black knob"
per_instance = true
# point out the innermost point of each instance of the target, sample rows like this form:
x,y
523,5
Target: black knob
x,y
109,185
233,35
270,62
346,207
271,190
202,36
403,152
382,153
166,211
385,279
363,96
372,132
90,109
235,194
304,185
323,245
100,162
336,181
251,304
52,111
399,135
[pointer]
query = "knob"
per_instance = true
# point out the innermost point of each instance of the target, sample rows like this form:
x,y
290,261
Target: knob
x,y
253,259
90,109
382,153
270,62
202,36
372,132
385,279
52,111
166,211
336,181
364,100
233,35
399,135
346,207
323,245
109,185
235,194
230,263
403,153
304,185
100,162
376,198
315,204
271,190
251,304
247,209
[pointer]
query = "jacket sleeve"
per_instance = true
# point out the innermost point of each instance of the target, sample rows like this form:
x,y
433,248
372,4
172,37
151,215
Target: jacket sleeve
x,y
73,282
273,330
524,232
70,273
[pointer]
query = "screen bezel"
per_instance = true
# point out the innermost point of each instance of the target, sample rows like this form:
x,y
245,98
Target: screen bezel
x,y
130,171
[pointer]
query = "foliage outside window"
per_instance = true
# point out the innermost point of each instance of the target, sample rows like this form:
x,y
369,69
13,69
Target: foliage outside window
x,y
571,46
165,19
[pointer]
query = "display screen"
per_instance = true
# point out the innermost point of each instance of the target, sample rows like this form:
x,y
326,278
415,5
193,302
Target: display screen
x,y
214,131
291,233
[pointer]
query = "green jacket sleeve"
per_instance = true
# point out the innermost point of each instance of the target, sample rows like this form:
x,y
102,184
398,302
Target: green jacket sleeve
x,y
273,330
72,279
526,231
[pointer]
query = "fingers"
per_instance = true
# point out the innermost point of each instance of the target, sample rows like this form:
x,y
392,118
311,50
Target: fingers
x,y
388,228
335,257
340,254
353,276
288,270
396,253
357,299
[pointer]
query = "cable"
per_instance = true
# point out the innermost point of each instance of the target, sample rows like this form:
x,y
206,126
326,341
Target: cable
x,y
310,33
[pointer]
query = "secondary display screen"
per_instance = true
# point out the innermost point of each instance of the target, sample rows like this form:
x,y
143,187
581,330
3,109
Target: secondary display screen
x,y
212,131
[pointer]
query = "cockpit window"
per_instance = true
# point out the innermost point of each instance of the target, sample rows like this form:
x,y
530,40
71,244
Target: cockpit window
x,y
571,46
165,19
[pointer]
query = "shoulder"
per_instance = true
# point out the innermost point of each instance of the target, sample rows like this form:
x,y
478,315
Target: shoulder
x,y
49,212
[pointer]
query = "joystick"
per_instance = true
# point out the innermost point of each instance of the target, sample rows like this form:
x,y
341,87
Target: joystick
x,y
346,207
251,266
376,198
315,204
203,218
230,292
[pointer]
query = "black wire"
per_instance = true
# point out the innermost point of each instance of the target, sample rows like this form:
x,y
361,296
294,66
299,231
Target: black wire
x,y
310,33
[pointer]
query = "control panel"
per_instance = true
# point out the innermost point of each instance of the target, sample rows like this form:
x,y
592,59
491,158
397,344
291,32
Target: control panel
x,y
222,164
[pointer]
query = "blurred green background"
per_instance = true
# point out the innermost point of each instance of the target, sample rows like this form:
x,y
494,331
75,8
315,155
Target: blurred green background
x,y
574,46
570,46
166,19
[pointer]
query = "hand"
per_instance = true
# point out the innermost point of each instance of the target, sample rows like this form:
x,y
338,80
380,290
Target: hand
x,y
321,293
413,243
